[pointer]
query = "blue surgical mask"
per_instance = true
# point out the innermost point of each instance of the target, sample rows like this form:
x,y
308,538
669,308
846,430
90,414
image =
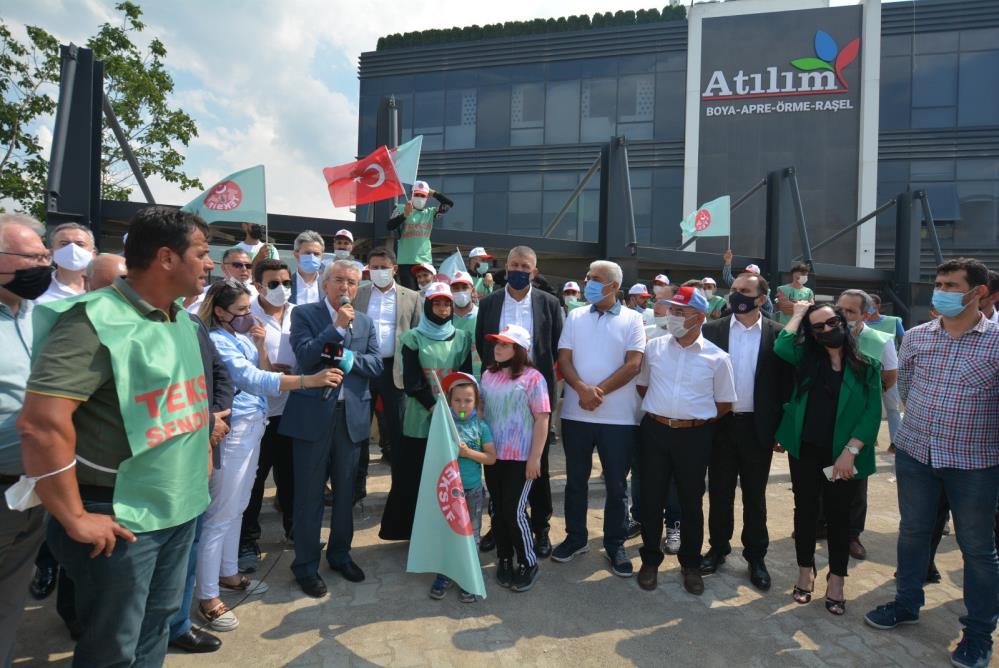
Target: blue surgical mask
x,y
518,280
949,304
309,263
594,291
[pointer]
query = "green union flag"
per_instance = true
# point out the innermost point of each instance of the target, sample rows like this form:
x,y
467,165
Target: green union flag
x,y
239,198
442,540
710,220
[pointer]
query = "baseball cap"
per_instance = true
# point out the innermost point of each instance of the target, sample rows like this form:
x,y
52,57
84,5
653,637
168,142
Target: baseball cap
x,y
688,295
344,233
662,279
708,279
638,289
479,251
513,334
425,266
439,289
456,378
461,277
571,285
753,269
421,187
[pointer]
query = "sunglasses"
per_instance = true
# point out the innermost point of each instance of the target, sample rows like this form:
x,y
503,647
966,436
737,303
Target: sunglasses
x,y
832,323
271,285
240,265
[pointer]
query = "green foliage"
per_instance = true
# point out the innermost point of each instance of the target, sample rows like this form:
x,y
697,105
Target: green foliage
x,y
136,84
476,33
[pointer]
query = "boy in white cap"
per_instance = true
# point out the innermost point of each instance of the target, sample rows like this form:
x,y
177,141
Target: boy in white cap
x,y
638,299
661,287
423,274
415,222
343,245
478,266
570,297
715,301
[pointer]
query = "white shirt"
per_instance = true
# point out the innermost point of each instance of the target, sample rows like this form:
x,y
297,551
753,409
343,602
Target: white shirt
x,y
381,310
342,331
599,343
56,292
518,312
251,249
306,293
196,304
889,356
744,350
277,341
685,383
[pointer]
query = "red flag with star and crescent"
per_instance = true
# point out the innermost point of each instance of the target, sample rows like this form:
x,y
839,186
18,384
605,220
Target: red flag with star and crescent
x,y
370,179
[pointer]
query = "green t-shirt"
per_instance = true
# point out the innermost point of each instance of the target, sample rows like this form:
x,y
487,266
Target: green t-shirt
x,y
440,356
715,306
467,325
479,285
786,292
414,235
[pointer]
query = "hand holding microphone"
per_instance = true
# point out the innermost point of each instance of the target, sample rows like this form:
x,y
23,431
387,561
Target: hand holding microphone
x,y
345,314
330,376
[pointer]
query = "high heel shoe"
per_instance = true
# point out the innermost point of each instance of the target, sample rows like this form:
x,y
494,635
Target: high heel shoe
x,y
803,596
834,606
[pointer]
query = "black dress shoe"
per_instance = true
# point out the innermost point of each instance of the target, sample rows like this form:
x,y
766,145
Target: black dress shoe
x,y
44,582
75,629
758,574
711,561
196,642
488,542
932,574
542,545
350,571
312,586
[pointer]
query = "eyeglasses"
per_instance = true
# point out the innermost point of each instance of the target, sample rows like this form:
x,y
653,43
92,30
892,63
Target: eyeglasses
x,y
271,285
44,258
832,323
240,265
344,281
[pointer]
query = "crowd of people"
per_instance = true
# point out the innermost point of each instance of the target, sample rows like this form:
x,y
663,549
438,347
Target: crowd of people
x,y
142,411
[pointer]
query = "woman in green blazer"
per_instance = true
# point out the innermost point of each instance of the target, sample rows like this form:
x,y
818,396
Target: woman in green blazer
x,y
830,424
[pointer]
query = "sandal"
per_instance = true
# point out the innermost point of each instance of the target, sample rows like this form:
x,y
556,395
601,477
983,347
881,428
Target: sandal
x,y
803,596
835,607
245,584
219,618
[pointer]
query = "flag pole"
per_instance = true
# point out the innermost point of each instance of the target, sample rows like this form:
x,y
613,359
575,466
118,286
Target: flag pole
x,y
450,418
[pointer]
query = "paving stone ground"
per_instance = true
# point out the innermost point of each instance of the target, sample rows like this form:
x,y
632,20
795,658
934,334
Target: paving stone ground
x,y
578,614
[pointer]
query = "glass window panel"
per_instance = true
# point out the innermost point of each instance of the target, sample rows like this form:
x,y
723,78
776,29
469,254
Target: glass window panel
x,y
893,170
527,105
598,67
896,91
979,202
405,104
935,42
670,105
493,124
667,203
459,118
520,73
432,141
568,226
986,168
974,40
528,137
978,102
562,71
635,130
428,112
637,64
598,104
524,213
943,199
942,117
932,170
671,62
640,178
561,180
461,79
525,182
562,113
934,80
641,202
636,98
589,215
459,184
491,183
490,212
896,45
461,216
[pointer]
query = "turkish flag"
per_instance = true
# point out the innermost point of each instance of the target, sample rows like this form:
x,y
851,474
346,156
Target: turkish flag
x,y
368,180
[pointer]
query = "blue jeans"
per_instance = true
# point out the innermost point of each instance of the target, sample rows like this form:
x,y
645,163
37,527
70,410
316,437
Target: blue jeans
x,y
125,601
615,446
181,622
891,400
972,495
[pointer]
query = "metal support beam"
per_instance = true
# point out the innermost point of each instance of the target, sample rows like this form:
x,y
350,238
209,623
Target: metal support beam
x,y
594,168
931,226
119,134
67,85
799,212
778,244
617,216
387,133
828,240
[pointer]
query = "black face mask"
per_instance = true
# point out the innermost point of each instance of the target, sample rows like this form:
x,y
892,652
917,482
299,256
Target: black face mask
x,y
506,364
831,338
740,303
428,313
30,283
257,232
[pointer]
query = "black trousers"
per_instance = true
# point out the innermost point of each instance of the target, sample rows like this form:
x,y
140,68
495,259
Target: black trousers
x,y
509,489
400,506
737,454
276,454
682,454
389,427
539,500
810,484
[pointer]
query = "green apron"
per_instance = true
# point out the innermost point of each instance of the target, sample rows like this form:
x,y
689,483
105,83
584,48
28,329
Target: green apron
x,y
886,326
441,357
164,402
467,325
872,342
717,303
414,235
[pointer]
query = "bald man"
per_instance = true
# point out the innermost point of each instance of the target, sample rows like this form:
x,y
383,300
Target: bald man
x,y
104,269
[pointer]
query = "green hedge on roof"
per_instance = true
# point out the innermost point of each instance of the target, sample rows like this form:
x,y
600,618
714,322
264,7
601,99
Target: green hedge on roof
x,y
475,33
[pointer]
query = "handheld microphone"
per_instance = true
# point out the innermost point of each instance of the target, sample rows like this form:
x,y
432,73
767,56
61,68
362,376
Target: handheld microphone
x,y
345,300
328,358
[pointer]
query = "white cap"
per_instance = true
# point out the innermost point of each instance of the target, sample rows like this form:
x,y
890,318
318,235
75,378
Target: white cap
x,y
438,289
426,266
461,277
421,187
753,269
708,279
638,289
662,279
344,233
571,285
479,251
513,334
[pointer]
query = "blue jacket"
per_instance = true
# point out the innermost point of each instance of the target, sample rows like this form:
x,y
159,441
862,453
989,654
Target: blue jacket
x,y
306,416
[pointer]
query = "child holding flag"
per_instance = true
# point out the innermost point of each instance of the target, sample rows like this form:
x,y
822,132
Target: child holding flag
x,y
474,449
515,397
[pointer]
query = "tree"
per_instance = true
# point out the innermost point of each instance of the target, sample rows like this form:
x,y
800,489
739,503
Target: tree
x,y
137,86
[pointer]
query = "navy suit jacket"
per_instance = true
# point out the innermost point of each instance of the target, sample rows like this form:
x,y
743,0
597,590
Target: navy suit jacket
x,y
307,416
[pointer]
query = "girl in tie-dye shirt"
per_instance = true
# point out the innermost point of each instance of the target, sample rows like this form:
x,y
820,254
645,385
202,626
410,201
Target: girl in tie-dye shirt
x,y
517,411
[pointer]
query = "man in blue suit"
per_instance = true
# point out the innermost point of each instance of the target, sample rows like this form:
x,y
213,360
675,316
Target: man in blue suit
x,y
327,433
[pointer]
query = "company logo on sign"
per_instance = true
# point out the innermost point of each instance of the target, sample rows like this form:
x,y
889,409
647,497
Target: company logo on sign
x,y
225,196
819,75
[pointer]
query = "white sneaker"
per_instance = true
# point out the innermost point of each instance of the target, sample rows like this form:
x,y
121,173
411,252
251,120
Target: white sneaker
x,y
220,619
671,544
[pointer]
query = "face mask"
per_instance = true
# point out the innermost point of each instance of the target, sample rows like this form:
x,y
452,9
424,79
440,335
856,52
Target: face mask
x,y
73,257
803,279
241,323
659,290
638,308
419,203
382,278
341,254
22,496
462,299
948,304
257,232
853,325
482,269
740,303
423,287
661,320
831,338
675,325
709,293
30,283
309,263
278,296
518,280
594,291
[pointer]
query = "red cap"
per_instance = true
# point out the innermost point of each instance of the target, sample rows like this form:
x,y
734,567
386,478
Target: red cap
x,y
456,378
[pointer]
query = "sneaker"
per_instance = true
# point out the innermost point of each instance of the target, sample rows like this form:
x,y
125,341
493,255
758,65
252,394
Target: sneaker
x,y
567,551
542,545
504,573
634,529
525,578
972,652
219,618
248,558
439,587
620,563
465,596
671,544
889,616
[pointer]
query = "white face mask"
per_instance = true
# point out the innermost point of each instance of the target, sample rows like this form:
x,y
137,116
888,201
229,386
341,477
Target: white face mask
x,y
73,257
709,293
661,320
22,496
462,298
423,286
675,325
803,279
278,296
419,202
341,254
382,278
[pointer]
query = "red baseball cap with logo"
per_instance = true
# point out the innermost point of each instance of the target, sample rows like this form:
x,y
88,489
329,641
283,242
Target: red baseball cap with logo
x,y
456,378
688,295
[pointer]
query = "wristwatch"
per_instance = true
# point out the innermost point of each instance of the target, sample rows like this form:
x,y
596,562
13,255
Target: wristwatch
x,y
854,450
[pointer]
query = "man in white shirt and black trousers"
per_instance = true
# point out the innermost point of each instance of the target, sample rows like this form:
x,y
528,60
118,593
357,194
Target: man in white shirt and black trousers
x,y
687,385
744,438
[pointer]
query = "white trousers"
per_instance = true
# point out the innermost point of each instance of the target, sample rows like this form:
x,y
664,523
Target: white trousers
x,y
230,487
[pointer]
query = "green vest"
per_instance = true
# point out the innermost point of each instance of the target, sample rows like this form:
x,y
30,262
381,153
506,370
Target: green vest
x,y
479,285
441,357
164,403
887,326
717,303
872,342
414,235
795,295
467,325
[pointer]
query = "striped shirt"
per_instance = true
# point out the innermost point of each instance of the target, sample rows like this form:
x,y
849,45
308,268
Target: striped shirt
x,y
951,390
